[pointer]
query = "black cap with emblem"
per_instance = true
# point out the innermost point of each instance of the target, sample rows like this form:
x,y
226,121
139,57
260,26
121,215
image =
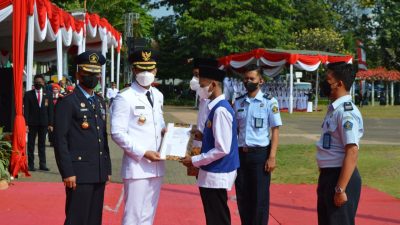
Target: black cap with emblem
x,y
144,59
90,61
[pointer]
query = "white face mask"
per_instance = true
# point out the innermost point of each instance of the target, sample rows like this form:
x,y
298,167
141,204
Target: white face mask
x,y
145,78
203,92
194,84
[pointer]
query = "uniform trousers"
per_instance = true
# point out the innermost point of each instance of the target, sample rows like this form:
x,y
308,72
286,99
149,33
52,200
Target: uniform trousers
x,y
41,132
215,203
328,213
252,187
84,205
141,200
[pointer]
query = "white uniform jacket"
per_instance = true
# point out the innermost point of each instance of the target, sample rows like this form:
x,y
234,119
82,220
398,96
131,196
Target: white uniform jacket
x,y
136,128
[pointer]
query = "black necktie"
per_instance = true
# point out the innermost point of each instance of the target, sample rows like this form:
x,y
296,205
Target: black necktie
x,y
149,98
91,100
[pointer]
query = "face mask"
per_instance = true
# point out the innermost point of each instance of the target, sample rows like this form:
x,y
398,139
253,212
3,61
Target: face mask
x,y
89,81
326,88
203,92
145,78
38,86
194,84
250,86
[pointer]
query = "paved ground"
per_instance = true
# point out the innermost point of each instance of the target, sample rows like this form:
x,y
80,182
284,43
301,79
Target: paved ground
x,y
296,130
181,205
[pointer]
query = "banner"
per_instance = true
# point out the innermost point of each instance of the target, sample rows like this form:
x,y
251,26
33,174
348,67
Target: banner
x,y
362,57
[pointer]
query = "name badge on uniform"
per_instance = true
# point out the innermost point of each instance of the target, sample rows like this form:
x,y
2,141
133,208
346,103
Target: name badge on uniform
x,y
258,122
326,143
84,109
139,107
240,110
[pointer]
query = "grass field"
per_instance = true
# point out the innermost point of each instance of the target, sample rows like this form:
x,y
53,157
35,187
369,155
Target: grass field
x,y
389,112
378,165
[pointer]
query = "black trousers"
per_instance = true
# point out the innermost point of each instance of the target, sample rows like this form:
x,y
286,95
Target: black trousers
x,y
41,132
215,203
252,187
84,205
328,213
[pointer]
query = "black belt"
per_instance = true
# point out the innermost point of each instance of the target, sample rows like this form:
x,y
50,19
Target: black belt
x,y
253,149
330,169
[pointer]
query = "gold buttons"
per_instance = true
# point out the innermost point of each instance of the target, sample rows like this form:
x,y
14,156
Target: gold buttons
x,y
99,140
95,115
101,153
79,158
98,128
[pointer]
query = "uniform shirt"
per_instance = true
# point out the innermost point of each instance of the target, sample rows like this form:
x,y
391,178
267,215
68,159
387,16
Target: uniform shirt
x,y
255,116
82,150
87,95
222,125
342,126
136,136
112,93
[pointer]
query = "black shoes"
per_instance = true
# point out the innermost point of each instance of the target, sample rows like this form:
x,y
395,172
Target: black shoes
x,y
44,169
31,168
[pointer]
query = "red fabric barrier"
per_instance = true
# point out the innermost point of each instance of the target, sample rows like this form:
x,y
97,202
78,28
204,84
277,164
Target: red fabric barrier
x,y
18,157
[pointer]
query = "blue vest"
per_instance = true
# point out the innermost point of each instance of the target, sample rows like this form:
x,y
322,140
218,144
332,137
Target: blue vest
x,y
229,162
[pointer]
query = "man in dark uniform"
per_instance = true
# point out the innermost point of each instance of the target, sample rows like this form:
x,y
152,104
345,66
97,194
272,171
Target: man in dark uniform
x,y
81,146
38,112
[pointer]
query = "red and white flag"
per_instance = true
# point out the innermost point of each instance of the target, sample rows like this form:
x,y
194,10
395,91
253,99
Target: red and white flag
x,y
362,57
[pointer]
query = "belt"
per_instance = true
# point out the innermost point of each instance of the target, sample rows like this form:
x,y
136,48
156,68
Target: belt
x,y
330,169
253,149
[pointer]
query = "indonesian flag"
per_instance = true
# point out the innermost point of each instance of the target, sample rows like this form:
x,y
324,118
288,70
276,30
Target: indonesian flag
x,y
362,57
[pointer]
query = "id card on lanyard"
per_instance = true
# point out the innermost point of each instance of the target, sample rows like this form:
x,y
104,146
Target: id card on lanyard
x,y
326,143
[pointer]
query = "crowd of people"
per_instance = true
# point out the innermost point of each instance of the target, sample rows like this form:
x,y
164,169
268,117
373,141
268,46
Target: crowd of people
x,y
234,88
238,142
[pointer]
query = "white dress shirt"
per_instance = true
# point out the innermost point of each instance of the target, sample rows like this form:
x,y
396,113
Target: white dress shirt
x,y
112,93
222,129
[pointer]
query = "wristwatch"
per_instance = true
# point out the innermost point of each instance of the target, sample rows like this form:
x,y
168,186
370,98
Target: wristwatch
x,y
339,190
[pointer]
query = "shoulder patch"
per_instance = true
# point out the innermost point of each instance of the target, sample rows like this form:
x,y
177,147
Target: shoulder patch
x,y
348,125
348,106
125,89
269,96
275,109
241,96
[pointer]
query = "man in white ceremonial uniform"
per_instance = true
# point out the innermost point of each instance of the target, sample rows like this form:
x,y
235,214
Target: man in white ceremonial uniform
x,y
219,157
112,92
137,125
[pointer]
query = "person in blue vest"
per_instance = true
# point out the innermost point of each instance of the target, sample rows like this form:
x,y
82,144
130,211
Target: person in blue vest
x,y
219,158
339,183
258,118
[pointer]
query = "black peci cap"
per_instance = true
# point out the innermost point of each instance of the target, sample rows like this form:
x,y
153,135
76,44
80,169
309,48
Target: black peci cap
x,y
212,73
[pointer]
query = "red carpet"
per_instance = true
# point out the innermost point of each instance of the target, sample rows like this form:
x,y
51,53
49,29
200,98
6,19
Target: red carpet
x,y
43,204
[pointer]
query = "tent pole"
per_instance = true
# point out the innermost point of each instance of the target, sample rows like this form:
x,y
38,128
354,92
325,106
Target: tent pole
x,y
391,93
373,93
65,65
387,93
118,68
59,56
316,92
103,70
112,63
291,90
29,52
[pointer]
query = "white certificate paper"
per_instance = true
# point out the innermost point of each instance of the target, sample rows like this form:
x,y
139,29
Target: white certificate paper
x,y
175,141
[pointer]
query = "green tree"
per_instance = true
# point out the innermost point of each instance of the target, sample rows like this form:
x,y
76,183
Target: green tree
x,y
320,40
216,28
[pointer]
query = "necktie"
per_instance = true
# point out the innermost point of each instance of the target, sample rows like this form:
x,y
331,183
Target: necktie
x,y
38,97
149,98
91,100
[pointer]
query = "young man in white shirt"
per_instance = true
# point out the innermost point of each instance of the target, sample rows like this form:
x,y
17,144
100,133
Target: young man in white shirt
x,y
219,157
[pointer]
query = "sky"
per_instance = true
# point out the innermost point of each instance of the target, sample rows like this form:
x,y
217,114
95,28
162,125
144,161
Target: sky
x,y
163,11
